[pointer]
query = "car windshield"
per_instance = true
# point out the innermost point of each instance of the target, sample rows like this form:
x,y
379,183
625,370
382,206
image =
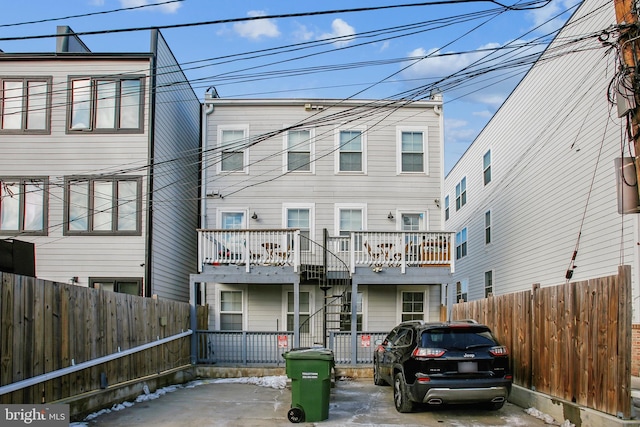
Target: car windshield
x,y
457,338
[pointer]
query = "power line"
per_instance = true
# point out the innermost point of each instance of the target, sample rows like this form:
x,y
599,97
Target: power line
x,y
535,4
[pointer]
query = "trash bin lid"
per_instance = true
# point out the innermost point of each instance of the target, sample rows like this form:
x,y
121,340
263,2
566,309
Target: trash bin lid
x,y
310,354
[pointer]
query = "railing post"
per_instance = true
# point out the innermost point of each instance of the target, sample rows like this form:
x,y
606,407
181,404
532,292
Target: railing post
x,y
244,347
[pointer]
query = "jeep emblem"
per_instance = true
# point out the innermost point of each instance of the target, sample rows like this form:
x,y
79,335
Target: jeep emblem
x,y
469,355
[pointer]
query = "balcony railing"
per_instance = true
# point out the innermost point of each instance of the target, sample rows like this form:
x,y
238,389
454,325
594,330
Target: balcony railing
x,y
266,348
280,247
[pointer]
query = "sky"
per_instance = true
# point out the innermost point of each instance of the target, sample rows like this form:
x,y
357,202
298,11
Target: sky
x,y
473,52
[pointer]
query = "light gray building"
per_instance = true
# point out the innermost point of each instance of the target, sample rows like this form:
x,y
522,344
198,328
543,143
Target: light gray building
x,y
99,167
534,198
307,202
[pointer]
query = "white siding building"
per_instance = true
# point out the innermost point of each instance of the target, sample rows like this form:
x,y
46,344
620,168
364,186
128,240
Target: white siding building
x,y
99,166
539,181
349,191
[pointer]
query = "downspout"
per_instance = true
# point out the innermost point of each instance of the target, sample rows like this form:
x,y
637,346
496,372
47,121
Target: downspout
x,y
148,289
207,109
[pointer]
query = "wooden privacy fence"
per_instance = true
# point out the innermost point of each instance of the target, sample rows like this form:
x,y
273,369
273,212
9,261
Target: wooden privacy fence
x,y
571,341
47,326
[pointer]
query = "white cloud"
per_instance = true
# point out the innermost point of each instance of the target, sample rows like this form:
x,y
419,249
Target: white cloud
x,y
484,114
302,33
256,29
384,46
164,8
340,28
542,15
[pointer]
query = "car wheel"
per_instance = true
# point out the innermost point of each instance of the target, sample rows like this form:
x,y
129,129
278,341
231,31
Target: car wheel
x,y
400,395
376,375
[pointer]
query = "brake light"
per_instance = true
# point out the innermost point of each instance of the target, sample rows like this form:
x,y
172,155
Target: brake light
x,y
499,351
427,352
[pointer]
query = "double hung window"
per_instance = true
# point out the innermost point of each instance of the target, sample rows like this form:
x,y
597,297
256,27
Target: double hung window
x,y
350,152
298,149
412,148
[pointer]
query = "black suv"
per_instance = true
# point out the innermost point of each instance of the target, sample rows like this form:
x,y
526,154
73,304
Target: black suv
x,y
443,362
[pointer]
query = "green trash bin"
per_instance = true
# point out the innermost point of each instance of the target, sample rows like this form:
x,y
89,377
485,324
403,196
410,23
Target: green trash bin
x,y
310,372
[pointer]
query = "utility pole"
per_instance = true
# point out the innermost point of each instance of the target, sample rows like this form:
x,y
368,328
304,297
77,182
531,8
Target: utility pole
x,y
629,43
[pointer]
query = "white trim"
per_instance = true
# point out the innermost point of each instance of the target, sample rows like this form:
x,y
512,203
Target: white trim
x,y
245,303
312,151
312,218
245,157
425,151
424,225
340,206
220,211
401,289
363,138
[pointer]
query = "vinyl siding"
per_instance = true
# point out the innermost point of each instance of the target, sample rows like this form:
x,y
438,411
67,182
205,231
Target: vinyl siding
x,y
176,142
553,137
265,189
59,257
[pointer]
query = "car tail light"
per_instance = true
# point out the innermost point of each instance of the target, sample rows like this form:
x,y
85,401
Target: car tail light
x,y
421,352
499,351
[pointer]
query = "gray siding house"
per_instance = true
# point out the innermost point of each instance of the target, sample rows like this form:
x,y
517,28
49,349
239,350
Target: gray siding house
x,y
308,202
539,182
100,165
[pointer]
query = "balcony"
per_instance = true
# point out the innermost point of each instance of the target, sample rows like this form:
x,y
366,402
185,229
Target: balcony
x,y
288,247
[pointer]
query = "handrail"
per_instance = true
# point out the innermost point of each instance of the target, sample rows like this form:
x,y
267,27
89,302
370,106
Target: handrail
x,y
88,364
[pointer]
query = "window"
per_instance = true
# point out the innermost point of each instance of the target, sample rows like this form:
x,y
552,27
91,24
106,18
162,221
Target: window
x,y
231,310
23,205
305,312
103,205
25,105
233,145
413,305
300,218
232,220
298,150
412,221
462,288
131,286
486,167
106,104
487,227
461,243
412,150
446,208
461,193
488,284
345,316
350,151
349,219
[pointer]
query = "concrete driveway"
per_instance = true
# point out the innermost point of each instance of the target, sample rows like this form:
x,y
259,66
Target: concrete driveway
x,y
352,403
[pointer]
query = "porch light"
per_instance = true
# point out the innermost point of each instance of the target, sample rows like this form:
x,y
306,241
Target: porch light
x,y
390,216
254,216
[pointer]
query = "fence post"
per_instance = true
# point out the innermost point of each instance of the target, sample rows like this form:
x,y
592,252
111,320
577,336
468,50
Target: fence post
x,y
532,332
193,321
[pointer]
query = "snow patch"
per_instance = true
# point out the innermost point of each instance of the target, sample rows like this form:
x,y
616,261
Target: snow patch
x,y
548,419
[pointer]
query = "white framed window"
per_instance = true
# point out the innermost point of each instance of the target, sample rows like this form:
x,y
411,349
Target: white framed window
x,y
488,283
232,219
461,193
486,167
301,216
487,227
24,205
299,150
446,207
231,310
461,243
233,146
411,150
106,104
462,290
351,151
413,305
412,221
25,104
350,217
103,205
